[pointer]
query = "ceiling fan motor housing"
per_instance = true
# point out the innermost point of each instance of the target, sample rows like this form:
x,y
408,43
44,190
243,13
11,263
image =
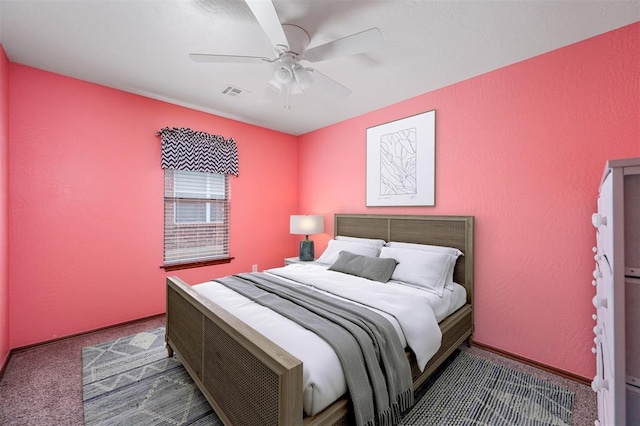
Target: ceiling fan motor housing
x,y
297,37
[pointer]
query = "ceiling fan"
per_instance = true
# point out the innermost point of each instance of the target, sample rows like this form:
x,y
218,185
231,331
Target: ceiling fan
x,y
290,43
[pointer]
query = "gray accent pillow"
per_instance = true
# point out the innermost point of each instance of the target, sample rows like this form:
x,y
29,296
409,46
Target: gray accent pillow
x,y
372,268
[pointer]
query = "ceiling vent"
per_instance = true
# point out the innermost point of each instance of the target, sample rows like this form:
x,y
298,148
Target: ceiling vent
x,y
235,92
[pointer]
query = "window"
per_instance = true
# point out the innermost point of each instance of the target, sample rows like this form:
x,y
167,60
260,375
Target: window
x,y
196,217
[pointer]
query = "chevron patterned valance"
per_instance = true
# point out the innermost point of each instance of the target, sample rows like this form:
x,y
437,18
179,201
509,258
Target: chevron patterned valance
x,y
186,149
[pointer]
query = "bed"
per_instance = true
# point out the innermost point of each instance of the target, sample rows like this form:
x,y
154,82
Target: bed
x,y
249,379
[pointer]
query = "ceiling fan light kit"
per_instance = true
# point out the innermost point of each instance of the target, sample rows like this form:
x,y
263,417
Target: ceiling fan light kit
x,y
284,72
290,43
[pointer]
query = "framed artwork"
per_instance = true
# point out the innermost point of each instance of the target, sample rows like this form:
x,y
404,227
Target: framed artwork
x,y
401,162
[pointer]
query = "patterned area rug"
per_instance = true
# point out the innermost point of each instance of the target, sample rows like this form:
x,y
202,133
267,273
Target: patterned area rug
x,y
130,381
474,391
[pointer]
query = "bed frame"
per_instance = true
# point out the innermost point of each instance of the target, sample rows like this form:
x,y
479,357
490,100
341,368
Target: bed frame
x,y
249,380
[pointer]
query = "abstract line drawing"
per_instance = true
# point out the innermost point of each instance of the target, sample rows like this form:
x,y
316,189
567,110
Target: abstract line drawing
x,y
398,152
401,162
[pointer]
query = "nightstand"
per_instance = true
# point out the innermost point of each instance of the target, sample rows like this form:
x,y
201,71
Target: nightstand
x,y
292,260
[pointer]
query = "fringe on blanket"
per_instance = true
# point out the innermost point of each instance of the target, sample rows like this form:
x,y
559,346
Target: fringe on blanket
x,y
403,404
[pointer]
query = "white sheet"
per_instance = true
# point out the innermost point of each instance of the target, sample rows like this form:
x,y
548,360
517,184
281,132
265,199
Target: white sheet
x,y
413,312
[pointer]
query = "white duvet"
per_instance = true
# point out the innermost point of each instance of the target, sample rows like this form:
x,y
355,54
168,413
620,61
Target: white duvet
x,y
413,312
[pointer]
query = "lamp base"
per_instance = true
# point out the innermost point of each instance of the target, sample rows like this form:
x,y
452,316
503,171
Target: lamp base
x,y
306,250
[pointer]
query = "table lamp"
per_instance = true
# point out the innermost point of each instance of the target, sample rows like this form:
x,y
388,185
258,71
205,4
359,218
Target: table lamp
x,y
306,225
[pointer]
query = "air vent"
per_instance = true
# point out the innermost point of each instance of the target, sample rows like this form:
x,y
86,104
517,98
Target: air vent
x,y
235,92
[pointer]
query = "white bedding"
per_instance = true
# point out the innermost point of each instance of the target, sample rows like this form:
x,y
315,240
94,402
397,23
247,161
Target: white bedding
x,y
413,312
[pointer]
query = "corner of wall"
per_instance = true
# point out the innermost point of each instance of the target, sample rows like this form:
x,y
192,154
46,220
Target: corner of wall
x,y
4,210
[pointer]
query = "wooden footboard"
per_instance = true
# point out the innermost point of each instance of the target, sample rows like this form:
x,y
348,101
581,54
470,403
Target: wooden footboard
x,y
246,378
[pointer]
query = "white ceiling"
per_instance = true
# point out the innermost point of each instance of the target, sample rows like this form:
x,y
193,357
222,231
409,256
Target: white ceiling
x,y
142,46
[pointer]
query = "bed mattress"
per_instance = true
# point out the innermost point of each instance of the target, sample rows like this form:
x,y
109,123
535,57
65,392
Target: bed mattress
x,y
413,312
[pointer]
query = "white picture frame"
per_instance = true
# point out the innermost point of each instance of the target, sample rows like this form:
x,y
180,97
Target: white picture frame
x,y
401,162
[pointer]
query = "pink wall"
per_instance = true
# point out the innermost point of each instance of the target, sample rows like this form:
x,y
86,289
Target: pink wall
x,y
522,149
86,203
4,210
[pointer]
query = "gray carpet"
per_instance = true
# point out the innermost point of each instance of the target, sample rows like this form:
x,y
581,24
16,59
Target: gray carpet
x,y
130,381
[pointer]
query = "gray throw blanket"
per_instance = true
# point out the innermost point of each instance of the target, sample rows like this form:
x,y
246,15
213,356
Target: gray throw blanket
x,y
376,368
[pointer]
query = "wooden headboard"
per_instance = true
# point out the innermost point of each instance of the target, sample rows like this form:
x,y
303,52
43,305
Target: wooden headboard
x,y
449,231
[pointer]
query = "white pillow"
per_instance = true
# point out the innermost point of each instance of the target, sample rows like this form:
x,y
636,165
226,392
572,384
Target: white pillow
x,y
425,247
377,243
454,252
425,269
334,248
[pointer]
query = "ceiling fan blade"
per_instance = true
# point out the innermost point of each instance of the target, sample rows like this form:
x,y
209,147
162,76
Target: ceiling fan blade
x,y
204,57
265,13
328,85
350,45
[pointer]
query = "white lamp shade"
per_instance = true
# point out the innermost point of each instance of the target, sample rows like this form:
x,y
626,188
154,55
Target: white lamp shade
x,y
306,224
283,74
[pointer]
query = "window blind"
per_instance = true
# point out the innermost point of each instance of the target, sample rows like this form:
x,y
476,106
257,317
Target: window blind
x,y
196,221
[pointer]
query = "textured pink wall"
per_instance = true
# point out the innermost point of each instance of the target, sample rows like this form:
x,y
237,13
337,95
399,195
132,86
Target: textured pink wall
x,y
86,203
4,210
522,149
